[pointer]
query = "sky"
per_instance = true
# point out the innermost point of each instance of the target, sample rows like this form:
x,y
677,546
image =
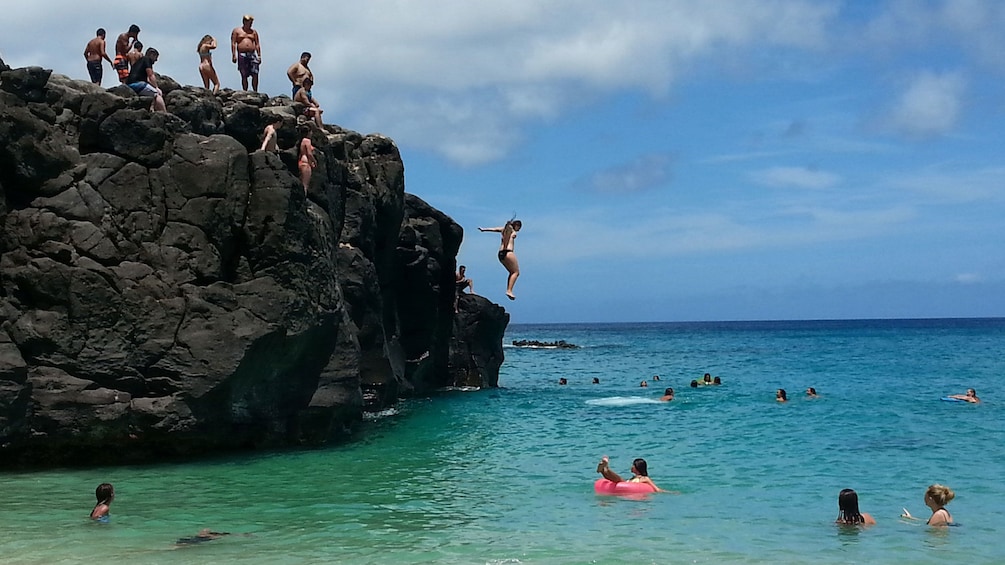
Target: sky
x,y
670,160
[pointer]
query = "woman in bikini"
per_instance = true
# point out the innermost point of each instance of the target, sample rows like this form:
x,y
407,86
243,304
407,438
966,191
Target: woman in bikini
x,y
640,473
306,162
507,256
205,50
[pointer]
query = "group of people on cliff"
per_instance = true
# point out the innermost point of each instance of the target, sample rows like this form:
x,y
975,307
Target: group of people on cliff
x,y
135,68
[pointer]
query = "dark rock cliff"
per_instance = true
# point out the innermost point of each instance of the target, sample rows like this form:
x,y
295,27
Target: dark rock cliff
x,y
167,290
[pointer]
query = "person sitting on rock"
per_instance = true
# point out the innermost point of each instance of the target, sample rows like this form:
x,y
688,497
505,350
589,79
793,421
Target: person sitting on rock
x,y
311,107
461,282
143,82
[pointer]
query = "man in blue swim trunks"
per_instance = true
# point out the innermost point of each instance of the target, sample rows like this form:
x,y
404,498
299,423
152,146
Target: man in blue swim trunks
x,y
246,50
94,53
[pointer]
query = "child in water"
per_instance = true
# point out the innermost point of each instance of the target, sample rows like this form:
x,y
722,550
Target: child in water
x,y
105,494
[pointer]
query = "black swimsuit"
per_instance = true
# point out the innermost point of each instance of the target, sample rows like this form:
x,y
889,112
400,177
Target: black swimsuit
x,y
502,254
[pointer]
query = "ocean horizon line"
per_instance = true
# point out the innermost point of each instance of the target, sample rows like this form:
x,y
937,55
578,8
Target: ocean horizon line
x,y
775,322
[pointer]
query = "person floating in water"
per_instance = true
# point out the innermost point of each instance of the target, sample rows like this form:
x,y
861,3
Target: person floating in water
x,y
203,536
507,256
640,473
849,513
643,384
667,395
780,395
105,493
970,396
811,392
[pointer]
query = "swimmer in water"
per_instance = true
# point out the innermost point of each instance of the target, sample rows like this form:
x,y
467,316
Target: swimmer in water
x,y
507,255
105,494
203,536
640,473
780,395
643,384
936,498
970,396
848,510
811,392
667,395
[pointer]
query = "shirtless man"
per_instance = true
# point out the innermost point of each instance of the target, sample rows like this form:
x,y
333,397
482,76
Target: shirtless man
x,y
311,107
461,281
246,51
122,46
299,71
136,54
94,53
970,396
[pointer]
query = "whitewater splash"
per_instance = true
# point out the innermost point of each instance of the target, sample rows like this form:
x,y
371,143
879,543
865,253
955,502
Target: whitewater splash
x,y
621,401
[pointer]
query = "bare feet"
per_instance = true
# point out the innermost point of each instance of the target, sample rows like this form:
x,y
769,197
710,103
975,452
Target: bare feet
x,y
602,465
510,295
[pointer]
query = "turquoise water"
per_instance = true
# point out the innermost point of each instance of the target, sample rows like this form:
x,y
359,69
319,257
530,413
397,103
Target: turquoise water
x,y
505,476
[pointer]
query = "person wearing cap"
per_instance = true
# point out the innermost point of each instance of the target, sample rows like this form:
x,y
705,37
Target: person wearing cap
x,y
246,51
299,71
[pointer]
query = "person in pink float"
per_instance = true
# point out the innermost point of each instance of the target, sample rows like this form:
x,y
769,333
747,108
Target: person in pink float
x,y
640,473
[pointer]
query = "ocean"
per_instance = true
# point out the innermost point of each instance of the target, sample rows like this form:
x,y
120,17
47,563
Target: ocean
x,y
506,475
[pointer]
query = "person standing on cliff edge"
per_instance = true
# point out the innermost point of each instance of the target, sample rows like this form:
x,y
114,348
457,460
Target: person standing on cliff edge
x,y
94,53
246,51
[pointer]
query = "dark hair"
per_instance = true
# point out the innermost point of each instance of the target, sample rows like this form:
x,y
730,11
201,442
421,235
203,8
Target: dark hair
x,y
462,267
668,391
707,377
137,46
305,54
717,380
694,384
104,493
848,505
596,381
640,467
274,119
100,32
811,390
153,52
781,392
134,28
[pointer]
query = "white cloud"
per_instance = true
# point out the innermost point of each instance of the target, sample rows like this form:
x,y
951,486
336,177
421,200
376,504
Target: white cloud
x,y
795,177
472,75
929,106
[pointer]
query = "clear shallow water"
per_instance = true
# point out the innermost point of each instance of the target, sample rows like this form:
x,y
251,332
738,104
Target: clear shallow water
x,y
505,476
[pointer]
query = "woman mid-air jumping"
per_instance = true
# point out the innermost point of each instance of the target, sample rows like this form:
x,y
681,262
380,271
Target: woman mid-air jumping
x,y
507,256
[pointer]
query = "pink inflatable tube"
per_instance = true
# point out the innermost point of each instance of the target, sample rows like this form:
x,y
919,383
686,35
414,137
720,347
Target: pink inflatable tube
x,y
604,486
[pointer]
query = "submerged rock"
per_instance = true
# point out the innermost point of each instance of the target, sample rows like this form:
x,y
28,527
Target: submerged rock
x,y
168,290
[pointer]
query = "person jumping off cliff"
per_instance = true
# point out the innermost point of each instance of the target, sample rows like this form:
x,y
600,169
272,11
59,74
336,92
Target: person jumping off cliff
x,y
506,255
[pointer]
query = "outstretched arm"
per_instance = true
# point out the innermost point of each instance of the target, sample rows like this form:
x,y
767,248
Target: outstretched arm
x,y
499,229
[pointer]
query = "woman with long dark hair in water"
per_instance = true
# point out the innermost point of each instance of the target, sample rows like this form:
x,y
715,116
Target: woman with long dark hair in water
x,y
849,513
506,255
640,473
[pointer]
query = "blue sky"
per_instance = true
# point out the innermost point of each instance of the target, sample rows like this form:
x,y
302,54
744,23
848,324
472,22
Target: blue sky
x,y
670,160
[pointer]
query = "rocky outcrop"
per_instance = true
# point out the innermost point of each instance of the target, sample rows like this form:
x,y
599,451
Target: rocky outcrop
x,y
167,289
